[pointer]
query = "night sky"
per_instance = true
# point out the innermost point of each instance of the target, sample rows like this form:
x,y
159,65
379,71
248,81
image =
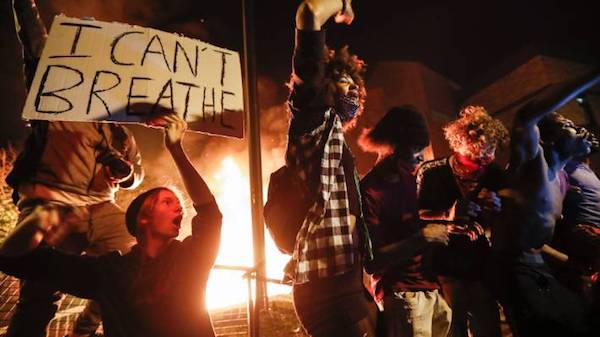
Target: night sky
x,y
462,40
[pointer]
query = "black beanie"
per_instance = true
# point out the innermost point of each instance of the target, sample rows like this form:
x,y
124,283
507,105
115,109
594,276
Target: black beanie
x,y
133,210
403,125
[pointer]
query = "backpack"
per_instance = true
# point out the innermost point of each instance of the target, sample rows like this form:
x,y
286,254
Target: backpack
x,y
288,202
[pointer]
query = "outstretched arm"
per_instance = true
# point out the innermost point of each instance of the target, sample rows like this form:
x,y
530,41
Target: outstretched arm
x,y
21,255
525,133
48,223
202,247
312,14
29,233
307,98
194,184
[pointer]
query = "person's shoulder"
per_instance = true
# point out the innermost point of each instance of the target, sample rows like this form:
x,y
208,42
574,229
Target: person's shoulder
x,y
308,125
430,167
433,164
370,177
375,177
576,165
208,219
210,209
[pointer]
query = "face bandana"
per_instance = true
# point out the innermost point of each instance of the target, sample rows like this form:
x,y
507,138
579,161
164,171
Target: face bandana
x,y
347,107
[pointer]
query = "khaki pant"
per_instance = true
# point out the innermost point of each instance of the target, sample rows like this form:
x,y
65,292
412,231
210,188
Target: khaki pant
x,y
416,314
100,230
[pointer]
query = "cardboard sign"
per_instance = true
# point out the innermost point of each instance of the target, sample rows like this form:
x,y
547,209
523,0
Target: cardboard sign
x,y
99,71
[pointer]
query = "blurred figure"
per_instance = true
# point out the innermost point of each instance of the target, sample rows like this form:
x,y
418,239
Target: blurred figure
x,y
461,189
403,283
578,232
69,165
542,143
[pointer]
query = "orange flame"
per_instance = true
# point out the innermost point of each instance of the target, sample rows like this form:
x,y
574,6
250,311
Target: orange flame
x,y
232,191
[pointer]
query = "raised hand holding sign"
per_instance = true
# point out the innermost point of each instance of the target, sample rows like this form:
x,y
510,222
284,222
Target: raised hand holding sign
x,y
98,71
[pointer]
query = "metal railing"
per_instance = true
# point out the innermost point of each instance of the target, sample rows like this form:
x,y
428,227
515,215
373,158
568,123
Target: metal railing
x,y
250,276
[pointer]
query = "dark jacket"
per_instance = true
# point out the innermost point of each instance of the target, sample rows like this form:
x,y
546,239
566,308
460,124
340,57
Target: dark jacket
x,y
138,295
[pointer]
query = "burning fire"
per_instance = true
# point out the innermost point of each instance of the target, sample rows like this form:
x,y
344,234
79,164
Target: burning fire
x,y
232,190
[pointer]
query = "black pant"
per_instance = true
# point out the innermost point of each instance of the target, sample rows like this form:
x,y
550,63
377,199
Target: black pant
x,y
535,303
336,307
37,306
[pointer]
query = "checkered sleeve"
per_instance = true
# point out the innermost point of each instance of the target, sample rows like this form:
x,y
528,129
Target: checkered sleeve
x,y
324,245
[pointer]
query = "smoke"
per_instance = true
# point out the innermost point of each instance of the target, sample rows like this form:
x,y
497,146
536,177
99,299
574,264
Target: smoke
x,y
208,152
178,16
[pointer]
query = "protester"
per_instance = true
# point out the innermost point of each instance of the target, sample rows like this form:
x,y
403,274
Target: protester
x,y
577,235
532,298
69,164
157,289
462,189
327,93
403,284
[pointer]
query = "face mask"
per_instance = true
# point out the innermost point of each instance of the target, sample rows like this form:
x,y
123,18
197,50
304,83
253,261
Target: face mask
x,y
347,107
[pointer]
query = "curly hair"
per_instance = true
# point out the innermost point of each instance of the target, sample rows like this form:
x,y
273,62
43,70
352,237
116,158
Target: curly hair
x,y
475,133
338,63
342,62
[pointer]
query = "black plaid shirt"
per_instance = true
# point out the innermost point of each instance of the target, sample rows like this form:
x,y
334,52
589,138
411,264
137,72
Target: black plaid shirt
x,y
326,244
